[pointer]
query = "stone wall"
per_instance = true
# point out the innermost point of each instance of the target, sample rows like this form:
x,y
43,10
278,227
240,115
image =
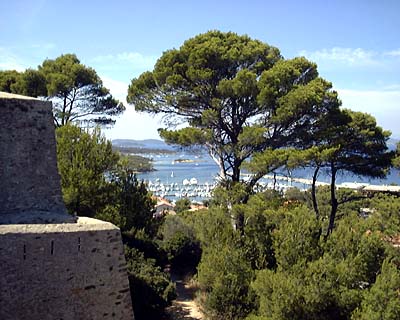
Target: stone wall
x,y
52,265
29,179
72,271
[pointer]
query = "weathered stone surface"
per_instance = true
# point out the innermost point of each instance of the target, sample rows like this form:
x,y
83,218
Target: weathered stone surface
x,y
29,180
52,265
63,271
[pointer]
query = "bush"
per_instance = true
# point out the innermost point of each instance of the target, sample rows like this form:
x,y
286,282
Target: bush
x,y
83,161
180,244
296,240
382,300
182,205
151,289
225,276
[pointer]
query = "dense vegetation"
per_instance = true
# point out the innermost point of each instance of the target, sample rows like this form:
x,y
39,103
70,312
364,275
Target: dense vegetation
x,y
138,163
282,267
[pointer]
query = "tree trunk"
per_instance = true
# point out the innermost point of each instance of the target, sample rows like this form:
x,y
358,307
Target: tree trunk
x,y
220,163
334,202
314,192
63,111
236,172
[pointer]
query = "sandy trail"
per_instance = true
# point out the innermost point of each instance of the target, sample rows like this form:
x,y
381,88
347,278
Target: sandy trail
x,y
184,307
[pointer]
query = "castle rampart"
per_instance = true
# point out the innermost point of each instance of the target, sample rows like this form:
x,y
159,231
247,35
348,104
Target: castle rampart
x,y
53,265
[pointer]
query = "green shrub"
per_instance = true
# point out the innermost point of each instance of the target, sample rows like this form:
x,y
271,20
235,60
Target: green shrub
x,y
225,275
180,244
151,289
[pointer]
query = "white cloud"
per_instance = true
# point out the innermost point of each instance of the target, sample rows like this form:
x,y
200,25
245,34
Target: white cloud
x,y
131,124
392,87
348,56
134,125
118,89
393,53
384,105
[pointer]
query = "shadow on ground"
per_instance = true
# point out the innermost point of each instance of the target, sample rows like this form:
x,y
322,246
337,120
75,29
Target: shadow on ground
x,y
184,306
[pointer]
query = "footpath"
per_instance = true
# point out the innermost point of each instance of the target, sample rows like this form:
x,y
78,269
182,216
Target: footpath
x,y
184,306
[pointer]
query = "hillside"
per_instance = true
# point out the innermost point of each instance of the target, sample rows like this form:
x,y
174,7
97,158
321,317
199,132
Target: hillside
x,y
142,144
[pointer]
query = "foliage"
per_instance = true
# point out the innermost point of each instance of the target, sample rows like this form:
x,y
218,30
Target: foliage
x,y
279,295
134,203
29,83
296,239
295,195
225,270
341,141
76,90
360,149
135,163
226,194
349,200
257,241
84,159
320,291
251,108
151,289
8,78
225,275
319,279
94,183
238,95
211,227
182,205
268,200
362,250
301,274
180,243
381,301
363,149
385,214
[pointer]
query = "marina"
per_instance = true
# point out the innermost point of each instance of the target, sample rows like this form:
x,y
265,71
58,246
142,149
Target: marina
x,y
195,175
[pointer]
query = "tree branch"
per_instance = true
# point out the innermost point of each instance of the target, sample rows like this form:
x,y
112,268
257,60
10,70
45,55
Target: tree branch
x,y
354,198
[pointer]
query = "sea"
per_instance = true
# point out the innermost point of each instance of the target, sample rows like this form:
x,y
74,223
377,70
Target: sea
x,y
174,172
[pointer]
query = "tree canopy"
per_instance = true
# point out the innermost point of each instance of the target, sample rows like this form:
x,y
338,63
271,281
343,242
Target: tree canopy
x,y
238,95
83,160
361,150
76,90
29,83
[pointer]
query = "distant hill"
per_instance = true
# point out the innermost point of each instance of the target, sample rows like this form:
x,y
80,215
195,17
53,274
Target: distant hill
x,y
161,145
142,144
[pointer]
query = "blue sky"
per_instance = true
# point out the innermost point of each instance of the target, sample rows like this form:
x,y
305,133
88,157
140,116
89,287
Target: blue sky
x,y
356,44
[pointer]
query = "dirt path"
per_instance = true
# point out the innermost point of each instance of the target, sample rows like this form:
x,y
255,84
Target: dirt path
x,y
183,307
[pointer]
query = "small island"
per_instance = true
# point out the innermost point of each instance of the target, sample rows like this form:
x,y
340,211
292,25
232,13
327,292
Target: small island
x,y
184,160
138,163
